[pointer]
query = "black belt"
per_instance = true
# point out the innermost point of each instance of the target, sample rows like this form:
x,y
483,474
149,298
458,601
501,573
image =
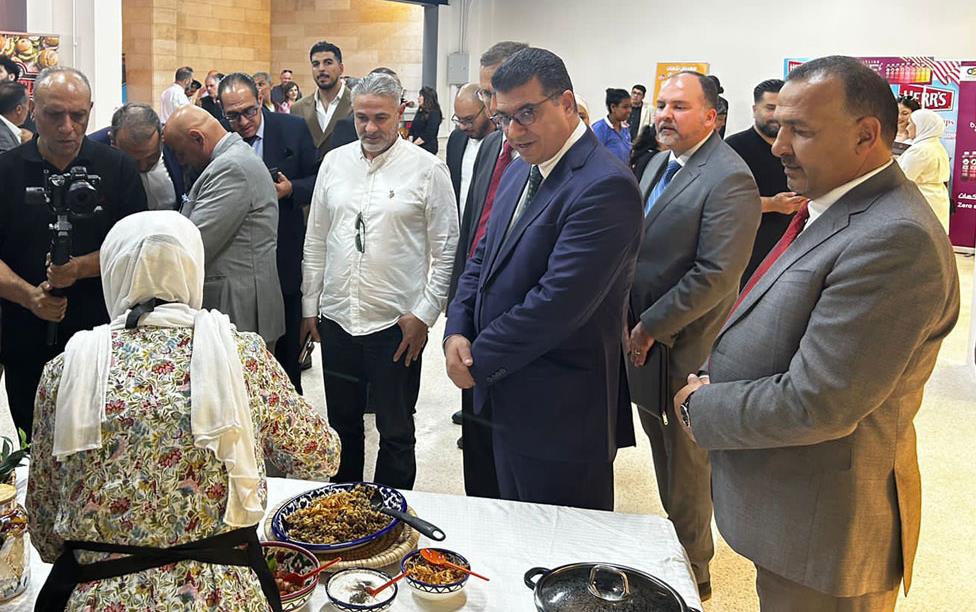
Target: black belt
x,y
222,549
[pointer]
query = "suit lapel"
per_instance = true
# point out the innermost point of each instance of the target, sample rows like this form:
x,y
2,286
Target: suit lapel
x,y
506,199
271,151
651,174
342,110
686,176
834,219
478,192
312,119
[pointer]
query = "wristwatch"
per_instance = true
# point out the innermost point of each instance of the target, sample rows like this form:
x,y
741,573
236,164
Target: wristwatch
x,y
683,410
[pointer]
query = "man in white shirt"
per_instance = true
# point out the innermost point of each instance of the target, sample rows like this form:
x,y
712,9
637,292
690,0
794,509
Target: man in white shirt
x,y
14,108
331,100
473,124
137,132
377,264
174,96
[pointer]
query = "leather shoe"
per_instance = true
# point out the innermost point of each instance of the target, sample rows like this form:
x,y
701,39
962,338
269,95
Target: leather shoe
x,y
457,417
460,443
705,591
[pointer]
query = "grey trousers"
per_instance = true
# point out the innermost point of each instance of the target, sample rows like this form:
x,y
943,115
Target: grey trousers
x,y
684,482
777,594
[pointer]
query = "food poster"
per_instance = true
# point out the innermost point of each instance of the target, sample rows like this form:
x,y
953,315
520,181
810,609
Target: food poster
x,y
665,70
962,223
32,52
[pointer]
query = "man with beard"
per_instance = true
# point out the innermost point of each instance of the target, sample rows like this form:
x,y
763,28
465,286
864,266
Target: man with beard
x,y
331,101
701,211
473,124
755,147
377,264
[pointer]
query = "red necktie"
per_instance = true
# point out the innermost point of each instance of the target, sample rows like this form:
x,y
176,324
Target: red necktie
x,y
794,229
496,177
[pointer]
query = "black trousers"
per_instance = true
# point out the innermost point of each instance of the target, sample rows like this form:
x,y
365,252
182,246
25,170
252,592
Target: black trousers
x,y
480,479
359,370
21,379
287,349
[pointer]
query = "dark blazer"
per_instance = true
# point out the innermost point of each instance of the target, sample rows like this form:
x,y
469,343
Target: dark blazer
x,y
457,142
305,108
288,147
344,132
697,241
544,308
484,166
177,173
212,106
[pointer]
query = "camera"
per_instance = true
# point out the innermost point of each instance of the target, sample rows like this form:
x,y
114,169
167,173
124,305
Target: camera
x,y
70,196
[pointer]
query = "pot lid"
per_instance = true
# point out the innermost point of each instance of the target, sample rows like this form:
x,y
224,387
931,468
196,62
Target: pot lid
x,y
596,587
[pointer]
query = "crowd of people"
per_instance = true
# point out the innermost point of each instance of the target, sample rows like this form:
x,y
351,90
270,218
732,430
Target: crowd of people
x,y
729,288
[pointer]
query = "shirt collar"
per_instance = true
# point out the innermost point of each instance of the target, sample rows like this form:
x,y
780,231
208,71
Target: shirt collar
x,y
684,157
547,166
335,100
380,160
33,154
820,205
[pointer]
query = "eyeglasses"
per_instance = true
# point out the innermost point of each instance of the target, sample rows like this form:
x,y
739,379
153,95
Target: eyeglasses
x,y
485,96
247,113
459,121
525,116
360,233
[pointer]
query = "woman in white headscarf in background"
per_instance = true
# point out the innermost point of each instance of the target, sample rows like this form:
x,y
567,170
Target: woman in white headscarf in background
x,y
926,161
150,435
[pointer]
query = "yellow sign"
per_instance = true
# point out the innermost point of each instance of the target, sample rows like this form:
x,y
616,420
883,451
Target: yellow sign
x,y
668,69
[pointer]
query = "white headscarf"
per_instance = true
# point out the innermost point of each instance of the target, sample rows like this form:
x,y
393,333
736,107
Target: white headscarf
x,y
927,124
159,254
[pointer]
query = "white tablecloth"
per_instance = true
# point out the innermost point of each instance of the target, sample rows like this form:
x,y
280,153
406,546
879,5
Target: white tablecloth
x,y
502,540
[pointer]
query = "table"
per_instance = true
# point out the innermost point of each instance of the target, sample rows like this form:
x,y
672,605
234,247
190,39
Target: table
x,y
502,540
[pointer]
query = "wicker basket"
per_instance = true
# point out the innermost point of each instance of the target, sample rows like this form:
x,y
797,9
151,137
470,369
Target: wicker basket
x,y
380,554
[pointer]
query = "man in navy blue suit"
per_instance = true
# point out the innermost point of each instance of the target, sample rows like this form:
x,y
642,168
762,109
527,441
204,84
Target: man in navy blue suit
x,y
537,321
284,143
136,131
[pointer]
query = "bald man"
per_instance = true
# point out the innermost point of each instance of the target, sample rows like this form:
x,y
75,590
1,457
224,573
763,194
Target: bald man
x,y
472,125
234,204
62,99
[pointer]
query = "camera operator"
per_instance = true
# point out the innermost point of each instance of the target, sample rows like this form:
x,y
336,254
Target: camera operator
x,y
62,99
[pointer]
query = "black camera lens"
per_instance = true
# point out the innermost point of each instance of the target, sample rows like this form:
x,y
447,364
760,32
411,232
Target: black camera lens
x,y
81,198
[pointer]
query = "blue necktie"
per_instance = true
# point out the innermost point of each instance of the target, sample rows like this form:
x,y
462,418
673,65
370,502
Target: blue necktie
x,y
673,167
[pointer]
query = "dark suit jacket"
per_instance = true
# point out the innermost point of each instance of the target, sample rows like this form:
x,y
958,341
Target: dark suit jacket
x,y
484,166
305,108
697,241
288,147
176,172
544,308
344,132
457,142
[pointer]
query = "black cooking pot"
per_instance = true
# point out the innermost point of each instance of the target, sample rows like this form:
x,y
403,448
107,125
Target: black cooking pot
x,y
601,587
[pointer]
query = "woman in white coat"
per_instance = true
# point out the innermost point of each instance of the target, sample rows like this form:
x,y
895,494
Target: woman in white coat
x,y
926,161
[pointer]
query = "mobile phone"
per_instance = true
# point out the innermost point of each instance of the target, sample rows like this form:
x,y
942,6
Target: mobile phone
x,y
274,174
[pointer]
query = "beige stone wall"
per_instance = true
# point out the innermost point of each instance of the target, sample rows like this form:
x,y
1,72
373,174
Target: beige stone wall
x,y
370,33
159,36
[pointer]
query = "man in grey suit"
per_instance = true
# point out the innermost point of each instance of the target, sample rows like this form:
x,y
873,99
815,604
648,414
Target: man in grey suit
x,y
234,204
818,373
14,109
702,209
331,100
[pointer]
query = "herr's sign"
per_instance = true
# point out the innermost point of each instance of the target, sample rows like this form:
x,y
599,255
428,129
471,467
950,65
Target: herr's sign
x,y
932,98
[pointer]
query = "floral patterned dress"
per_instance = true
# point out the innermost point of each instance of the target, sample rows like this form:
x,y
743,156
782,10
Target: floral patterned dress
x,y
149,486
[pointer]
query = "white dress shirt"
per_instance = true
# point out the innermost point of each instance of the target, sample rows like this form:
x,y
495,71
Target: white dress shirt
x,y
160,192
546,168
258,143
171,99
820,205
324,113
467,171
406,201
684,157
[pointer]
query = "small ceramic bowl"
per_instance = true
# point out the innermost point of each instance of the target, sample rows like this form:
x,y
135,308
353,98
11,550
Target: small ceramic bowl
x,y
435,591
346,593
282,556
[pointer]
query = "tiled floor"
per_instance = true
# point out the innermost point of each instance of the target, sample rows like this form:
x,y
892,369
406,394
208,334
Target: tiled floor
x,y
946,434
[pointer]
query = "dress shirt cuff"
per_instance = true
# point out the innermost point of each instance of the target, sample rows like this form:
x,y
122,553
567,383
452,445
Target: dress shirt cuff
x,y
426,312
310,306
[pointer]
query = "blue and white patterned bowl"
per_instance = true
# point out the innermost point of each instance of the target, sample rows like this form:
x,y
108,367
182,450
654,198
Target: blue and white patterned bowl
x,y
392,497
291,558
436,591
